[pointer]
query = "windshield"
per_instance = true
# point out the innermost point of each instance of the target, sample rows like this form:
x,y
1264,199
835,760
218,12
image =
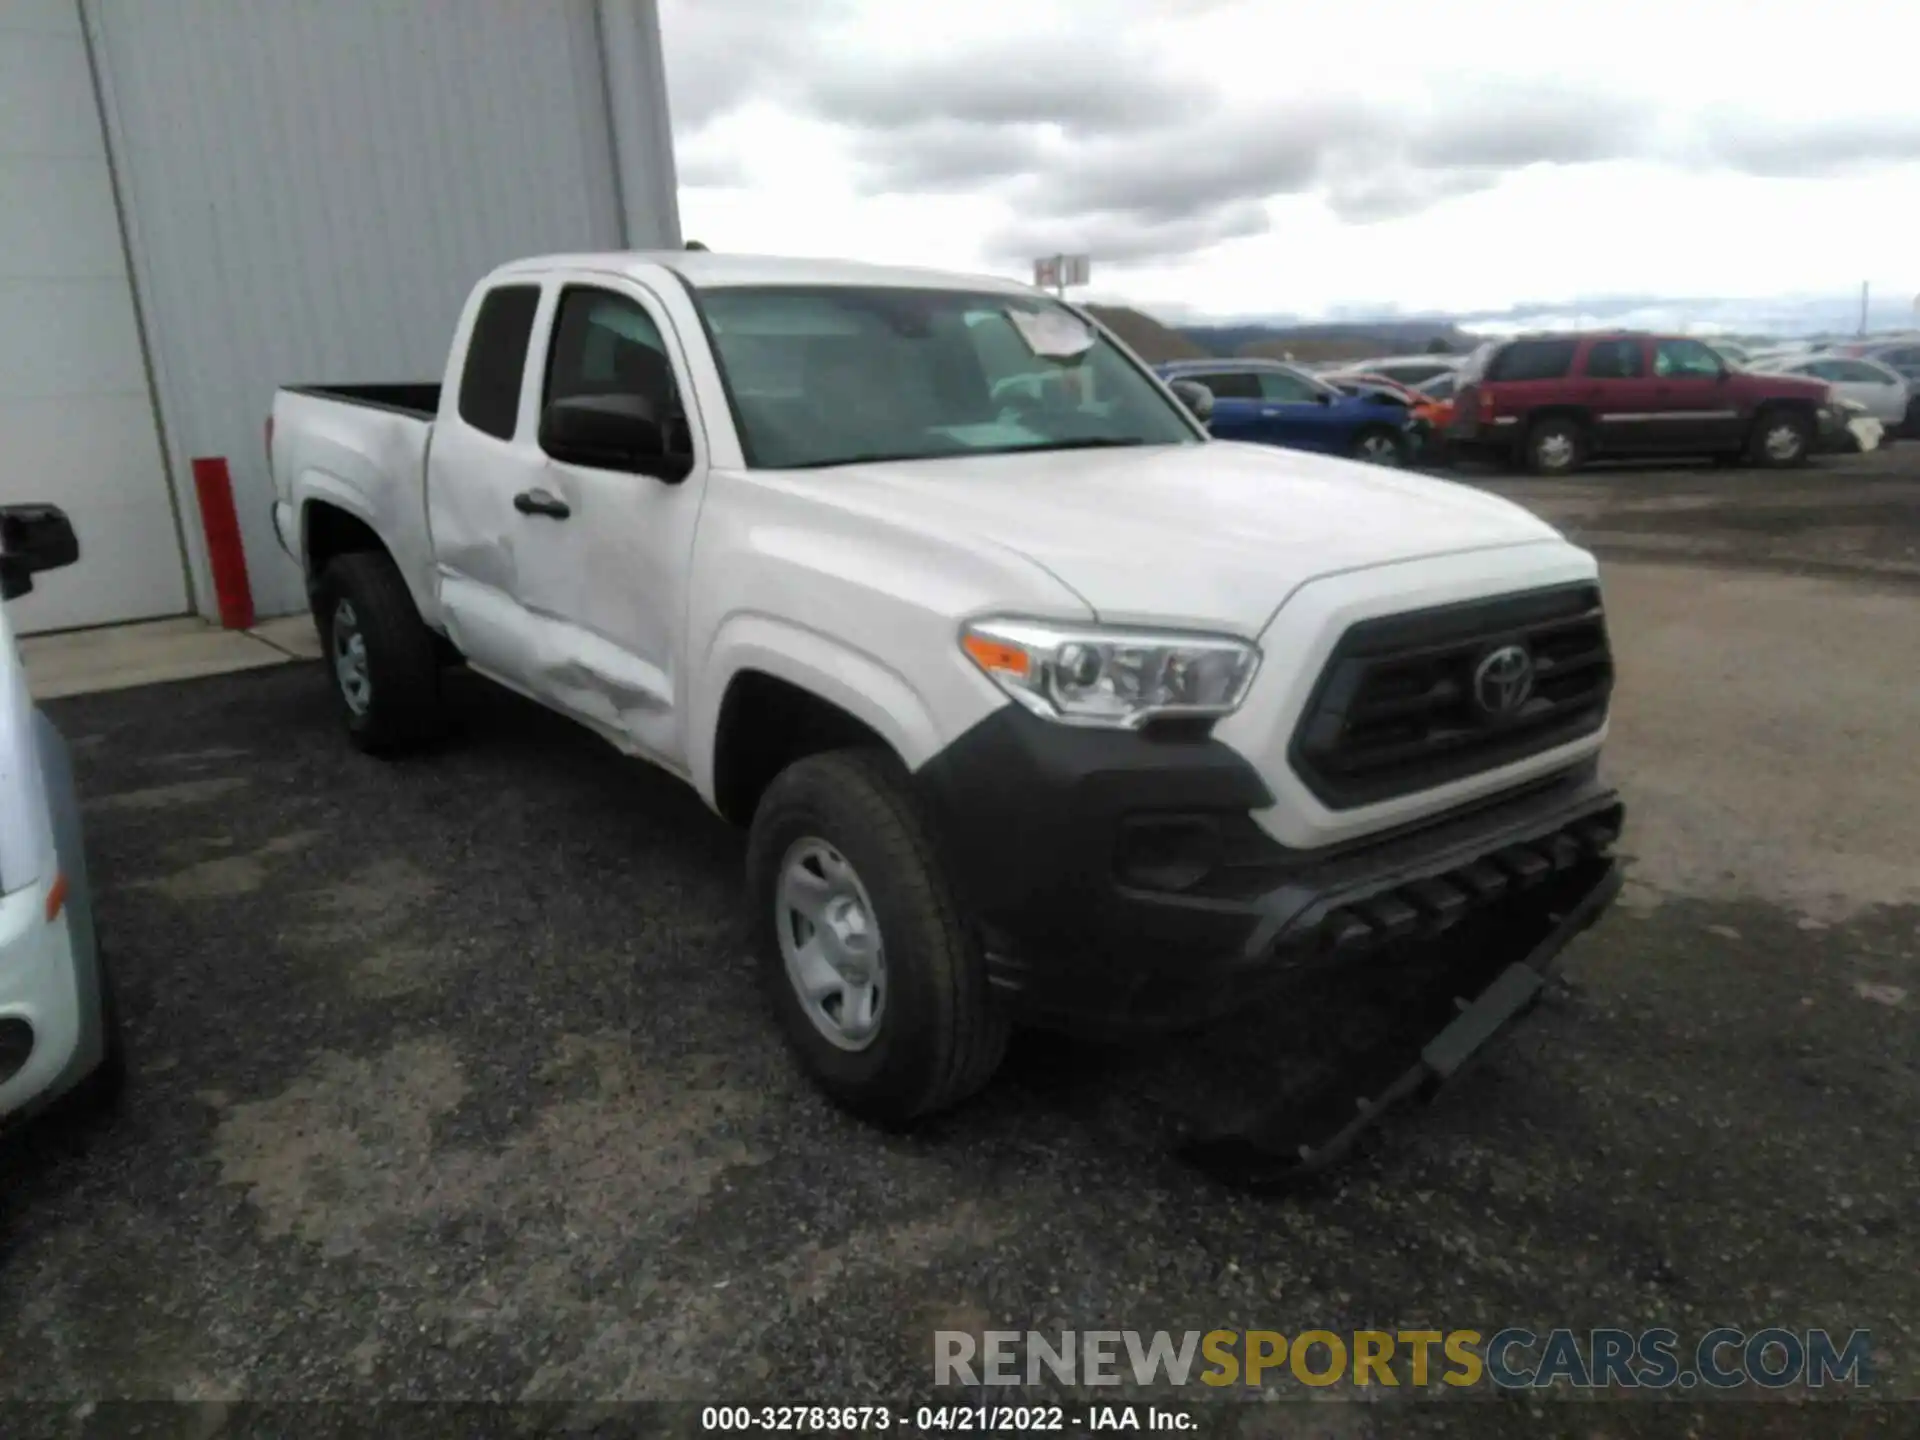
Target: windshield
x,y
837,375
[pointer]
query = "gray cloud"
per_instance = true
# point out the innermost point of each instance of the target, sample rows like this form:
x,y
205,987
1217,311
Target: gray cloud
x,y
1121,239
1758,145
1366,196
1143,167
704,168
1188,167
1501,123
1083,84
942,156
1080,126
722,53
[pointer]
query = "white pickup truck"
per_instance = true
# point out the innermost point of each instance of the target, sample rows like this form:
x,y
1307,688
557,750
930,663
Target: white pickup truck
x,y
1040,705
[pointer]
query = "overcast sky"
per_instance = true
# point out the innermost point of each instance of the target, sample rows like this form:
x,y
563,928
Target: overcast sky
x,y
1251,157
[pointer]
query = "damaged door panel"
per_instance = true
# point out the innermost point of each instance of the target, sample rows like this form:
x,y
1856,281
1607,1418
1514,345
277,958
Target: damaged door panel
x,y
599,552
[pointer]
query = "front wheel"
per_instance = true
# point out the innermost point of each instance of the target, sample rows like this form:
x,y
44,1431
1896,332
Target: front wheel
x,y
1782,439
1379,446
879,986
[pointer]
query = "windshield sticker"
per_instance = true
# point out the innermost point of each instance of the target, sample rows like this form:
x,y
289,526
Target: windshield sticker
x,y
1052,334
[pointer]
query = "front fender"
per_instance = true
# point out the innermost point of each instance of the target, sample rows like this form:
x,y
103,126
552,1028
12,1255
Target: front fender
x,y
859,683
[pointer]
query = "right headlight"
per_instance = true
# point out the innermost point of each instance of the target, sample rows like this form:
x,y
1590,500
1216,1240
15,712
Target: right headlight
x,y
1119,679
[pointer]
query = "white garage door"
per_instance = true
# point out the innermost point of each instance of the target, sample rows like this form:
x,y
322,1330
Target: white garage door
x,y
76,414
312,186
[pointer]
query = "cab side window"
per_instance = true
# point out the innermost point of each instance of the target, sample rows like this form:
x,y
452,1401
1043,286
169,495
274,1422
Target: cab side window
x,y
607,344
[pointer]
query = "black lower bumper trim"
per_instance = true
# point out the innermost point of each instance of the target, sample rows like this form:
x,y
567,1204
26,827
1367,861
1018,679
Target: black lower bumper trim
x,y
1307,1135
1120,883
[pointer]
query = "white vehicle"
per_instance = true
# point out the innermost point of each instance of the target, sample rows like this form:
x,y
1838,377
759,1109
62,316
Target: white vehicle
x,y
1410,370
58,1036
1880,390
1044,707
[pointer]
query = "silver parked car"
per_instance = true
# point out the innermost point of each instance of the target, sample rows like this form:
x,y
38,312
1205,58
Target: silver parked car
x,y
1410,370
1883,392
58,1035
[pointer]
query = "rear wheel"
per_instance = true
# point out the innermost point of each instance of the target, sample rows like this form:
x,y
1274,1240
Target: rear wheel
x,y
1782,438
1556,447
880,988
1378,445
385,670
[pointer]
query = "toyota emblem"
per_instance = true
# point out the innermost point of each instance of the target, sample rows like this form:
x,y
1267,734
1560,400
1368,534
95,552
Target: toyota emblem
x,y
1503,680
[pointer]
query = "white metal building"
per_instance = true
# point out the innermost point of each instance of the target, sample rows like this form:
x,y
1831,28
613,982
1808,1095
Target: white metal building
x,y
202,199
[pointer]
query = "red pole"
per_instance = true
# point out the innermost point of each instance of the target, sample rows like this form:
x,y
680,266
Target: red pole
x,y
226,555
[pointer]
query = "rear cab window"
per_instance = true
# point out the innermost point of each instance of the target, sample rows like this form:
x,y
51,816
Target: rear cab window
x,y
497,358
1532,360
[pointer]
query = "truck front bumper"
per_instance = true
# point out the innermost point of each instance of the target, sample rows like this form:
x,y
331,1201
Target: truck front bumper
x,y
1120,885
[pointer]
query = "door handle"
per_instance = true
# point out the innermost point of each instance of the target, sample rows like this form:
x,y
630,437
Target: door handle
x,y
542,502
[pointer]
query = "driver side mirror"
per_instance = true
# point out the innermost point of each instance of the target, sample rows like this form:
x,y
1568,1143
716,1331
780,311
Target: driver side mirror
x,y
33,538
612,432
1196,397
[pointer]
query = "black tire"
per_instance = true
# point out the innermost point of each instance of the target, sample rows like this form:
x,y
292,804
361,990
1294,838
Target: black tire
x,y
97,1095
1380,445
1555,446
1910,426
1762,444
400,705
939,1034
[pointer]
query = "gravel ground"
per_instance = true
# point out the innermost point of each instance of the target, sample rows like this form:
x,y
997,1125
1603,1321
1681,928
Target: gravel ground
x,y
452,1082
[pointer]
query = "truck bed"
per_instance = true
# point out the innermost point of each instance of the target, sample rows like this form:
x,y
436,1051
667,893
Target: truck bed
x,y
361,449
421,400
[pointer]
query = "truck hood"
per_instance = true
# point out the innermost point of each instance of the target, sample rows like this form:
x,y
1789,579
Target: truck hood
x,y
1212,536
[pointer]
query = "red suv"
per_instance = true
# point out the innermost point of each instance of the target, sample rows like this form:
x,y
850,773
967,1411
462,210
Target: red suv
x,y
1553,402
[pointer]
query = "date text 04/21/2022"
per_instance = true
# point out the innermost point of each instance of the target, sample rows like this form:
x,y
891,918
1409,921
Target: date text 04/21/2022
x,y
943,1419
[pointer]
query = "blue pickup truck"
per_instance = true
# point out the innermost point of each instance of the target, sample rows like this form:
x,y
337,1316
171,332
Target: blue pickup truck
x,y
1272,403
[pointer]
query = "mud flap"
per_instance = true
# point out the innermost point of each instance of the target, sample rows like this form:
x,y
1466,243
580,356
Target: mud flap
x,y
1271,1153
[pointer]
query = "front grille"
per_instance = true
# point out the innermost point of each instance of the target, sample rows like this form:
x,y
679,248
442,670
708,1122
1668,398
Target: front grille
x,y
1396,710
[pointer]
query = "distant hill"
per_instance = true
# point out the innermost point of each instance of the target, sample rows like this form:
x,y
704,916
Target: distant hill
x,y
1149,339
1331,341
1157,343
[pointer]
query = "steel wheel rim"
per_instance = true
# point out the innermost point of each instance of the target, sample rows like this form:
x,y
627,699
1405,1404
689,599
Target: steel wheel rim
x,y
1783,442
1380,450
830,942
1555,451
350,668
